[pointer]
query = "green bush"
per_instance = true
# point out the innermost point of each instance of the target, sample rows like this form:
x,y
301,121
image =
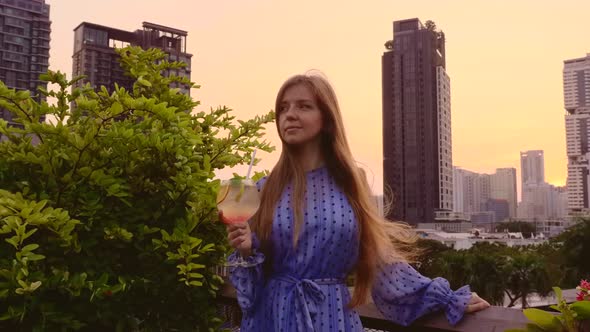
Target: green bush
x,y
109,222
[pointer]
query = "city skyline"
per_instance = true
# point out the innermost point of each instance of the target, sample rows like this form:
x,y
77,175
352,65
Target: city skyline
x,y
243,52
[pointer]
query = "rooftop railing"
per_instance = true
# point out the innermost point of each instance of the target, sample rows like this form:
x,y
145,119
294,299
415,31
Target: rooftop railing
x,y
493,319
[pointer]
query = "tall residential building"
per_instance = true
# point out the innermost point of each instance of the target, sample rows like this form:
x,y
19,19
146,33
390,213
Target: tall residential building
x,y
95,56
417,153
542,201
25,31
476,194
459,175
561,199
471,190
576,93
503,187
532,167
576,83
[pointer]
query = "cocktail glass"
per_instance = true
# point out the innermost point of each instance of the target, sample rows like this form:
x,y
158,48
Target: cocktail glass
x,y
238,200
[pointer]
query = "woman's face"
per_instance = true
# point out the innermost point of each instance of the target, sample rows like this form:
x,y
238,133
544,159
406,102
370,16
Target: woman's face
x,y
299,117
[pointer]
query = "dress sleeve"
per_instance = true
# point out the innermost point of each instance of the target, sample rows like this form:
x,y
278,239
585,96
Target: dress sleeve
x,y
404,295
249,281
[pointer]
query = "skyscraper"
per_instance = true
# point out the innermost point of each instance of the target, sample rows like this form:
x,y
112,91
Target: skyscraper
x,y
576,83
540,200
24,39
503,187
576,93
532,167
471,190
95,56
459,180
417,152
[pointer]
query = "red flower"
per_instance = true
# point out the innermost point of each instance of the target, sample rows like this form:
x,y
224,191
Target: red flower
x,y
108,292
580,297
585,285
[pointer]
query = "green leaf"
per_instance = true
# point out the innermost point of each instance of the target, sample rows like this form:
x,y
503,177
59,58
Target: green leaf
x,y
196,283
85,171
35,257
582,308
13,240
544,319
29,233
207,247
558,294
117,108
35,285
30,247
144,82
535,328
194,266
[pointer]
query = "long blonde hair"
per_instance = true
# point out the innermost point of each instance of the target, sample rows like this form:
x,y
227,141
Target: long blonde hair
x,y
381,241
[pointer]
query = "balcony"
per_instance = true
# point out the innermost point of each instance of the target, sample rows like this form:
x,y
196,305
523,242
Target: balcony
x,y
493,319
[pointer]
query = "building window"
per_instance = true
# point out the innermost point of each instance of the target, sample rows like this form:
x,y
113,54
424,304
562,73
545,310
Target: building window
x,y
96,37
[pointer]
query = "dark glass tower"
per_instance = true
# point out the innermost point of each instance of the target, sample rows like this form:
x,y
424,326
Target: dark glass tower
x,y
417,146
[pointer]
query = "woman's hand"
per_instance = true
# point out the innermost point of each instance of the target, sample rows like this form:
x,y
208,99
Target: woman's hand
x,y
476,304
239,236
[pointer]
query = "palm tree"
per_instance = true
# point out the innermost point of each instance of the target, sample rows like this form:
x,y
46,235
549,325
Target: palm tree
x,y
487,275
527,273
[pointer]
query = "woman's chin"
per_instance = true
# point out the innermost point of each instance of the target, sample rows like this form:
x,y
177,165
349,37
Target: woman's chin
x,y
294,141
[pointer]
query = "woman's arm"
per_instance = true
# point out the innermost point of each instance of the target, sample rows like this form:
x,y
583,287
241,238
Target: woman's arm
x,y
404,295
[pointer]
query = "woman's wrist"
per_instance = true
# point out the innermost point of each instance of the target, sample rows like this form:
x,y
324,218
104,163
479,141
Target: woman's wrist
x,y
245,253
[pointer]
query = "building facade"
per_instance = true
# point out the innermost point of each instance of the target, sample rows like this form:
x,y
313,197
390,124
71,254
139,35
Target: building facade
x,y
503,187
25,31
499,207
95,56
576,93
540,200
532,167
485,197
417,150
473,189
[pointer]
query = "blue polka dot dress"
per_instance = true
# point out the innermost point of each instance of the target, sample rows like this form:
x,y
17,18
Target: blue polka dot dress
x,y
306,290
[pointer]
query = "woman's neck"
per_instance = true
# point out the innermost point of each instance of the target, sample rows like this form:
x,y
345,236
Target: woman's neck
x,y
310,157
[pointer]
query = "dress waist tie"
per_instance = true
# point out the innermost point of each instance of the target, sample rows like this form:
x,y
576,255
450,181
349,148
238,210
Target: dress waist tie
x,y
308,297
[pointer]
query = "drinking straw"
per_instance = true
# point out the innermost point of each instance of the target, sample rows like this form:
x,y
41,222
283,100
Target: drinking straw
x,y
251,164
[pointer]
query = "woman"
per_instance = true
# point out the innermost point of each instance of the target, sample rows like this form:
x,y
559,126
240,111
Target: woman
x,y
317,224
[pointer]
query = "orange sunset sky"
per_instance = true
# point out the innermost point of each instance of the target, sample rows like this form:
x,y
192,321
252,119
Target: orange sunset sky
x,y
505,60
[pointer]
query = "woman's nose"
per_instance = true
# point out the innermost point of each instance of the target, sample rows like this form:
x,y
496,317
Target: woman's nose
x,y
290,112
